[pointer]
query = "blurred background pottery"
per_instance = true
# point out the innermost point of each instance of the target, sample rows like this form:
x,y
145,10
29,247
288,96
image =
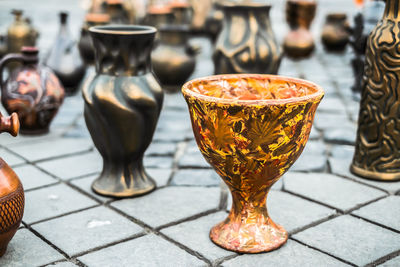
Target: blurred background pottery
x,y
246,43
20,33
32,91
12,198
299,42
117,12
173,59
3,45
64,58
182,12
122,106
251,137
335,32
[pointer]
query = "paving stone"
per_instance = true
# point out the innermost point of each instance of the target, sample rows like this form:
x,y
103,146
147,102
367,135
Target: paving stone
x,y
291,254
74,166
196,177
62,264
158,162
331,104
193,157
149,250
313,158
385,211
195,235
88,229
26,249
340,161
170,204
331,190
161,149
85,184
35,151
345,135
161,176
11,159
52,201
314,134
351,239
31,177
391,263
324,121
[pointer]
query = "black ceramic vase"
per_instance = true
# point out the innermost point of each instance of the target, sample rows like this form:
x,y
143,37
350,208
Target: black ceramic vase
x,y
122,106
64,58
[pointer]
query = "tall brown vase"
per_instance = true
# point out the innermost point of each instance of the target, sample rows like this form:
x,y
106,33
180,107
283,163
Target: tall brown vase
x,y
246,43
122,106
377,153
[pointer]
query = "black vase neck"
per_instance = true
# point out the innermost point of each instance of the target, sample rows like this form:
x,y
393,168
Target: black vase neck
x,y
123,50
392,9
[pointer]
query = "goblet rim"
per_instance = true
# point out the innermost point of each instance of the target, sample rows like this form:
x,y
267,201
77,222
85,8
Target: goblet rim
x,y
119,29
263,102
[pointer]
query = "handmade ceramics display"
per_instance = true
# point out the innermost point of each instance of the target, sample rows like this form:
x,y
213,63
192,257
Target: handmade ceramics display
x,y
118,14
64,58
122,106
12,198
182,12
377,150
173,59
201,10
246,43
158,15
32,91
251,128
299,42
20,33
335,33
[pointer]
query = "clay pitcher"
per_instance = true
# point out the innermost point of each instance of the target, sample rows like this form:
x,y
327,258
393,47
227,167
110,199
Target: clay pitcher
x,y
377,150
246,43
173,59
122,106
64,58
12,198
32,91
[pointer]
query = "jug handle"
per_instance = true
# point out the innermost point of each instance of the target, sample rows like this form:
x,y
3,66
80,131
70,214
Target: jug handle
x,y
5,60
9,124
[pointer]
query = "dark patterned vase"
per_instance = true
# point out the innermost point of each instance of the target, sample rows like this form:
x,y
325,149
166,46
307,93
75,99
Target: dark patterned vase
x,y
122,106
32,91
12,198
246,43
377,153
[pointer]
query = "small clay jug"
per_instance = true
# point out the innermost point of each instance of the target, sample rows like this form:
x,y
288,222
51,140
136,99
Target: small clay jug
x,y
32,91
64,58
12,198
85,43
122,105
20,33
299,42
173,59
246,43
335,33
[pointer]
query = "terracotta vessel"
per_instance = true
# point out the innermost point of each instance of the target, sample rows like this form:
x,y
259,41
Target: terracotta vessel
x,y
246,43
64,58
12,198
122,106
32,91
173,59
299,42
335,33
251,128
377,150
85,43
20,33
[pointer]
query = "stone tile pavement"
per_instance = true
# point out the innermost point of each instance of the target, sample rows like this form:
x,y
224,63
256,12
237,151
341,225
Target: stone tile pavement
x,y
334,218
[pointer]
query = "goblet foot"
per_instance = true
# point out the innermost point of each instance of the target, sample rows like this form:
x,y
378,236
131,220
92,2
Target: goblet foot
x,y
123,181
244,237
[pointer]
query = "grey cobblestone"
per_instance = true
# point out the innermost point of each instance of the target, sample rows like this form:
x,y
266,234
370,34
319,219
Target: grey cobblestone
x,y
85,184
391,263
196,178
31,177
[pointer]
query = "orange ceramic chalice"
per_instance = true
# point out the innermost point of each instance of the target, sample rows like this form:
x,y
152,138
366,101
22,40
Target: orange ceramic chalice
x,y
251,128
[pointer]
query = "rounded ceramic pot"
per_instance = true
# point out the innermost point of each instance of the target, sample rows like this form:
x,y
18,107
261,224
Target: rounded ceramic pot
x,y
335,33
122,106
32,91
251,128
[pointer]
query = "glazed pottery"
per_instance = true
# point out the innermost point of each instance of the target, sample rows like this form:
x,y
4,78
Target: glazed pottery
x,y
251,128
335,33
246,43
85,43
64,58
173,59
12,198
20,33
299,42
32,91
377,150
122,106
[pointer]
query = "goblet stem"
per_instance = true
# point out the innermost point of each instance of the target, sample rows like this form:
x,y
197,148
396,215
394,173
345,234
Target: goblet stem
x,y
248,227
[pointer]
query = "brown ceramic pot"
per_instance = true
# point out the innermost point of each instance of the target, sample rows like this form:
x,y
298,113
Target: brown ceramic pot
x,y
32,91
335,33
12,199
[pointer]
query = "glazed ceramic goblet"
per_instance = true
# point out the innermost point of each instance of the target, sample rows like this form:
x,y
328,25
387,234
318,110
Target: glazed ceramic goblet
x,y
251,128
